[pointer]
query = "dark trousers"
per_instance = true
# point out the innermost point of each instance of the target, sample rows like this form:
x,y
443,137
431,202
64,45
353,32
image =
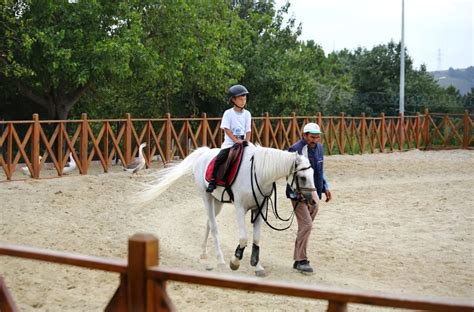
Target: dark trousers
x,y
220,159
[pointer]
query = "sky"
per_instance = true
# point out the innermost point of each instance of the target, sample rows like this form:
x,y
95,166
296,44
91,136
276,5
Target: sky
x,y
438,33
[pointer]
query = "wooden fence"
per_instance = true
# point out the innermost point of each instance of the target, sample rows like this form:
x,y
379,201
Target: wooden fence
x,y
142,284
110,141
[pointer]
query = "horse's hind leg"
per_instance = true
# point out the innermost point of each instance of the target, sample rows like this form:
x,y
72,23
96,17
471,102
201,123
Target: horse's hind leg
x,y
204,243
217,209
239,251
213,208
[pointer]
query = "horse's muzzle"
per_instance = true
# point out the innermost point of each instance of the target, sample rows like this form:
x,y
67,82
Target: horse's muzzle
x,y
307,195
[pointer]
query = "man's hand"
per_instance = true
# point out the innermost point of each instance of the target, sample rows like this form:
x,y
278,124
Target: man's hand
x,y
328,195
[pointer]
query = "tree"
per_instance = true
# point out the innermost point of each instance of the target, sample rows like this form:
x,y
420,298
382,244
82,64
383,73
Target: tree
x,y
271,57
468,100
206,68
334,91
191,42
376,76
55,52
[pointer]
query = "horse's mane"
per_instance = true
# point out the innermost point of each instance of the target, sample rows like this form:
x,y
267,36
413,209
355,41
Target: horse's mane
x,y
270,162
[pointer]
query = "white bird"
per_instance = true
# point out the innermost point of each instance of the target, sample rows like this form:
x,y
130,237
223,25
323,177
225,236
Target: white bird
x,y
26,171
138,163
70,166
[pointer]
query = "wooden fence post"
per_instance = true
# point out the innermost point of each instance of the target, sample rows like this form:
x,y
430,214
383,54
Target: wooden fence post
x,y
7,304
2,129
60,147
417,130
293,134
401,131
148,137
337,306
266,130
467,130
319,121
342,133
382,133
168,137
35,147
142,254
106,144
426,129
363,130
10,149
128,138
221,135
204,125
84,145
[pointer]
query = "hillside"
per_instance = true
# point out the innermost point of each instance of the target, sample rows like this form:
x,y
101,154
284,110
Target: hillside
x,y
461,79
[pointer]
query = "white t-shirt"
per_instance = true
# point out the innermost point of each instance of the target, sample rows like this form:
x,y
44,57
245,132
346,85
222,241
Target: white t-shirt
x,y
237,122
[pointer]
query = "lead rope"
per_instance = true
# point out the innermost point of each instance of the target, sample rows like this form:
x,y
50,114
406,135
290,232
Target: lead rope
x,y
266,200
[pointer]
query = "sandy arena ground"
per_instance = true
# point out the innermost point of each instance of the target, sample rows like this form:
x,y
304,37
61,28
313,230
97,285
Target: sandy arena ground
x,y
400,223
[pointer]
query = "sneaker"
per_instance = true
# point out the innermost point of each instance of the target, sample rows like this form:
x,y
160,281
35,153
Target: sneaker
x,y
212,186
303,266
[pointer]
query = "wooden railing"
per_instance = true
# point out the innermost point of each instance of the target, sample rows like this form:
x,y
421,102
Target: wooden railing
x,y
110,141
142,284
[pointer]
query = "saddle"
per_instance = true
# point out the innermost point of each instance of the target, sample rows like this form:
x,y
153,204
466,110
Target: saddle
x,y
228,170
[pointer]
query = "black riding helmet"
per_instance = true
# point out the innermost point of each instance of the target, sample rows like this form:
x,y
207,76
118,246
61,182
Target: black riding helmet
x,y
237,90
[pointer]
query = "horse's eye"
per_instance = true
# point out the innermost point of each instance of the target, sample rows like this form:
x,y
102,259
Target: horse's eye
x,y
303,178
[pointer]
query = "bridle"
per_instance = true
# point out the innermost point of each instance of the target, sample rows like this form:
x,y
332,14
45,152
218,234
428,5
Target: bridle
x,y
267,198
297,192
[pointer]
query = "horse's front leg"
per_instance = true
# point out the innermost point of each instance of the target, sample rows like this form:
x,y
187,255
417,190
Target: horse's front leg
x,y
255,257
239,251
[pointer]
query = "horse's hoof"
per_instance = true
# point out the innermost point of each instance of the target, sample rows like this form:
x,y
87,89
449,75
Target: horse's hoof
x,y
234,266
260,273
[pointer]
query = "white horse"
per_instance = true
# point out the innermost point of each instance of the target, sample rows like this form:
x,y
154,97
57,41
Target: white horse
x,y
259,169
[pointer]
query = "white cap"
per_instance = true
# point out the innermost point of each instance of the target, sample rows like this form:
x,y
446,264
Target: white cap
x,y
312,128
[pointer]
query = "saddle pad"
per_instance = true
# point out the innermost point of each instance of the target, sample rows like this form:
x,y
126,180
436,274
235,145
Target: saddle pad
x,y
233,168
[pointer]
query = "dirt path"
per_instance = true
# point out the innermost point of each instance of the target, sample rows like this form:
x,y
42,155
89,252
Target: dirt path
x,y
401,223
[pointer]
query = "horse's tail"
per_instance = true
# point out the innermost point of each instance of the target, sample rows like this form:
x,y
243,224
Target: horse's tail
x,y
166,177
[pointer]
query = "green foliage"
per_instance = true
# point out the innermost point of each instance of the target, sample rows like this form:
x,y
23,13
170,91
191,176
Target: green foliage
x,y
56,51
468,101
376,84
147,58
376,75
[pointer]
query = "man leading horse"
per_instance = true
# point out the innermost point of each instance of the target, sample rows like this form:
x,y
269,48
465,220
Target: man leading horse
x,y
311,147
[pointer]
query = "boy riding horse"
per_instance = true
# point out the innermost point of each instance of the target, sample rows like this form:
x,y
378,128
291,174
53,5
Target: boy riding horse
x,y
236,123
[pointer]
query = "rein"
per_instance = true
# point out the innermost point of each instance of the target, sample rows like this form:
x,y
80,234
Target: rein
x,y
266,200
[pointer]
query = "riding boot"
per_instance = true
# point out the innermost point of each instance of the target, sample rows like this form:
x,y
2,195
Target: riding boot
x,y
212,186
220,159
